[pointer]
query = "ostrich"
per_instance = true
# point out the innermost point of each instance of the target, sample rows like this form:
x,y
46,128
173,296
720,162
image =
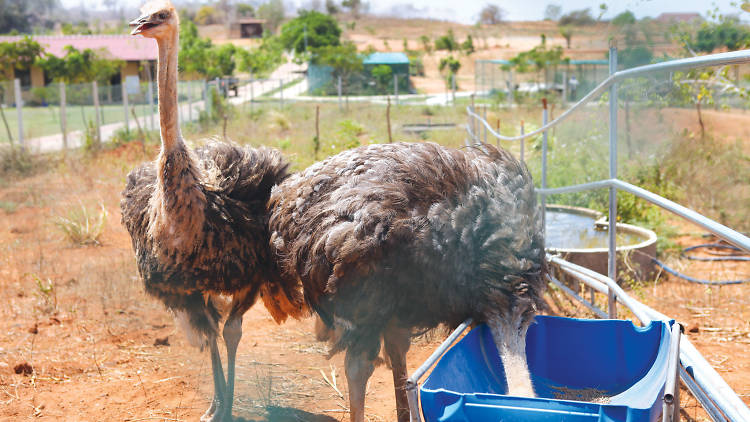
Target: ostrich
x,y
198,224
391,238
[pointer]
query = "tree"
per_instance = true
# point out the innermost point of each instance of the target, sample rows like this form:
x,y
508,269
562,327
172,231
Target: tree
x,y
538,59
625,18
567,32
577,18
468,45
447,42
245,10
552,12
332,8
602,10
452,65
18,55
354,6
206,15
273,12
426,45
491,14
310,30
22,16
262,60
199,57
383,74
343,59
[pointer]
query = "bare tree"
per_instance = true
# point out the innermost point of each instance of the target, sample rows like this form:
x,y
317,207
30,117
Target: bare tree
x,y
552,12
491,14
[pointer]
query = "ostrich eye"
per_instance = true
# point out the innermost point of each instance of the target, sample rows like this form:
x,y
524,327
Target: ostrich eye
x,y
163,15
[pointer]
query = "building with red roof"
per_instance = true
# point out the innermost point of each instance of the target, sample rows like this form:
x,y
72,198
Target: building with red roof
x,y
136,52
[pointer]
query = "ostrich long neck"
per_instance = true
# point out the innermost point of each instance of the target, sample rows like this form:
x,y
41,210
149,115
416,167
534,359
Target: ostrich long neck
x,y
178,201
167,80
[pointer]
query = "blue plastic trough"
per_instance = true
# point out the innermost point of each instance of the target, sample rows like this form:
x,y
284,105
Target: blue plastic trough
x,y
568,358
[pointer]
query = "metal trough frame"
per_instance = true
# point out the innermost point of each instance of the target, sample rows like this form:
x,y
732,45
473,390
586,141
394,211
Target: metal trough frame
x,y
713,393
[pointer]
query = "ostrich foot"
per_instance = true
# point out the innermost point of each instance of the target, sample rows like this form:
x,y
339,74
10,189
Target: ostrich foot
x,y
210,412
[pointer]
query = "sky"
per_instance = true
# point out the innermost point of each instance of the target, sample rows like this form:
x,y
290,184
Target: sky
x,y
467,12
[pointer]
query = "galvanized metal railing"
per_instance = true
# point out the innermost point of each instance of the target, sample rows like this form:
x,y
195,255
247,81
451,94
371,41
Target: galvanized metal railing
x,y
714,394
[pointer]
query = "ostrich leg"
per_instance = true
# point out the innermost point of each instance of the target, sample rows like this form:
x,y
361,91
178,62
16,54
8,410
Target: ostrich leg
x,y
359,367
232,334
397,341
220,385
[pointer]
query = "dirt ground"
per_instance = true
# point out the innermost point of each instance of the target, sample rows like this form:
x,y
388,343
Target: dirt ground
x,y
80,341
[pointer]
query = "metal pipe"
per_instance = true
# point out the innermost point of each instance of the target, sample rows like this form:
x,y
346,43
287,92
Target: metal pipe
x,y
731,236
735,57
612,243
413,382
545,117
570,292
671,406
705,376
523,140
708,405
19,111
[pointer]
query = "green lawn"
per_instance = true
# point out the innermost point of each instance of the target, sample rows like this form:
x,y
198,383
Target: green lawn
x,y
42,121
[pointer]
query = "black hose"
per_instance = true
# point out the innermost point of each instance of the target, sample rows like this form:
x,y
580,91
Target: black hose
x,y
699,258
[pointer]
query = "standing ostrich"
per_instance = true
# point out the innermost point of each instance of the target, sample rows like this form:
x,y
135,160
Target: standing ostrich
x,y
390,238
198,223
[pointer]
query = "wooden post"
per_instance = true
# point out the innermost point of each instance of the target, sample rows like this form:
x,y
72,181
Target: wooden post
x,y
95,87
125,105
316,141
63,115
388,119
19,110
339,89
395,87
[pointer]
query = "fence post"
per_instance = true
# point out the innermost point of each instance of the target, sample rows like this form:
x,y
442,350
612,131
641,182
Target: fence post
x,y
395,87
453,88
281,92
523,140
125,105
95,87
207,98
612,254
63,116
484,124
565,87
252,94
19,110
339,90
545,118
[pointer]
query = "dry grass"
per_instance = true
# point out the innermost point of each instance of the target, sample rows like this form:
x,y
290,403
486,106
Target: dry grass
x,y
81,227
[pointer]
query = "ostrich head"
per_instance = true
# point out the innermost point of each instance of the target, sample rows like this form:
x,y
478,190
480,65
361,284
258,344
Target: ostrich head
x,y
158,20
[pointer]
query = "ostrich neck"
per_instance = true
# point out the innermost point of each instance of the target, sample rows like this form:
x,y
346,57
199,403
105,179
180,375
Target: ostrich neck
x,y
178,198
167,80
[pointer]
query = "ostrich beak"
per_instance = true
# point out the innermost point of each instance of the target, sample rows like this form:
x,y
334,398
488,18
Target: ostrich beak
x,y
142,23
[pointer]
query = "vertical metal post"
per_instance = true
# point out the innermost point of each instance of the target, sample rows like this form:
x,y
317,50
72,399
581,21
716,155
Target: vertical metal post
x,y
97,110
612,253
453,88
281,92
565,87
484,124
523,140
511,88
339,91
252,94
207,98
125,105
19,110
63,115
395,87
545,118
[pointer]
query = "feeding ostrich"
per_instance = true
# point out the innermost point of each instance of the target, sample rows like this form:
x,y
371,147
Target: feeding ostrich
x,y
390,238
198,223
